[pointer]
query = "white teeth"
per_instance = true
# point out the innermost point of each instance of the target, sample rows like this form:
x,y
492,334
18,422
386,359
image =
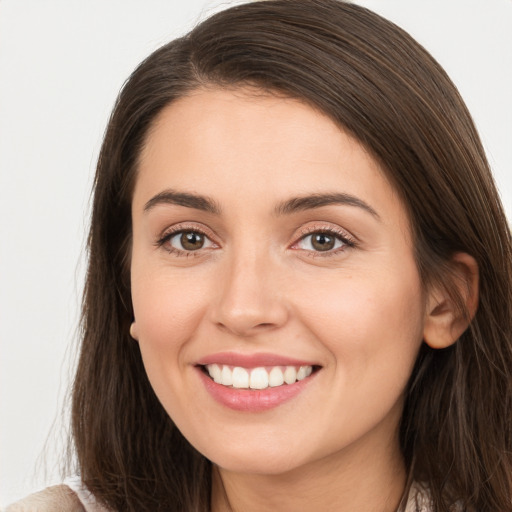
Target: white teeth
x,y
240,377
301,374
216,373
257,378
275,377
226,376
290,375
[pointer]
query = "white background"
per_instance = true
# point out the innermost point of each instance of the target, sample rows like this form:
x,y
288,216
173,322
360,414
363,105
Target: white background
x,y
62,63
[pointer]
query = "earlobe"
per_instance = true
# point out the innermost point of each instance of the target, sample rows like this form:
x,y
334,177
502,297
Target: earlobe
x,y
133,331
446,318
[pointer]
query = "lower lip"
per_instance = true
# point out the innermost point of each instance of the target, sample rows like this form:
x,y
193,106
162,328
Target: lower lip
x,y
253,400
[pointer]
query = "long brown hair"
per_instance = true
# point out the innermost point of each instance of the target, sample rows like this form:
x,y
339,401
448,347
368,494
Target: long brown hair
x,y
380,85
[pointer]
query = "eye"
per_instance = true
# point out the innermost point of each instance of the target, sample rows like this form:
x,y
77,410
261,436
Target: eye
x,y
322,241
187,241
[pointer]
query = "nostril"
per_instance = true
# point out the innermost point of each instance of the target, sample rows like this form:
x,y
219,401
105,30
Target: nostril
x,y
244,329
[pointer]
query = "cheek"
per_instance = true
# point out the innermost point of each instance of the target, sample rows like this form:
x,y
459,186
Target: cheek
x,y
167,313
372,324
372,328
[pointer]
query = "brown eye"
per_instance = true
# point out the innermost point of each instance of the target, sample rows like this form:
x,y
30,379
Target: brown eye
x,y
191,240
322,241
187,241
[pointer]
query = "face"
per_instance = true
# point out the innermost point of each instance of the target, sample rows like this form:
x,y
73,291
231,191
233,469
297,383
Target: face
x,y
277,303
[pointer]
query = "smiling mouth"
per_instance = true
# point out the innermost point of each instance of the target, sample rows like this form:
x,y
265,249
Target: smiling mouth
x,y
258,378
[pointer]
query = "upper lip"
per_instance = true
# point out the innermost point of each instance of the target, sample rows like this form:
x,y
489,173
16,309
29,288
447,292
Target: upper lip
x,y
251,360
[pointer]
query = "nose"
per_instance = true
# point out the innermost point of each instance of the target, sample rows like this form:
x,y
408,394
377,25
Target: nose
x,y
250,297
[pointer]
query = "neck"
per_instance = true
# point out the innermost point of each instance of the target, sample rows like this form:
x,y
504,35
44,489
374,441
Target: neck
x,y
370,477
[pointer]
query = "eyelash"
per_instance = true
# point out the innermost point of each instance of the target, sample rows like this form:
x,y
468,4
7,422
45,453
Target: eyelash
x,y
177,230
347,240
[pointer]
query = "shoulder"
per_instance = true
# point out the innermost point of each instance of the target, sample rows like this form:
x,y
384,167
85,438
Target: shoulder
x,y
59,498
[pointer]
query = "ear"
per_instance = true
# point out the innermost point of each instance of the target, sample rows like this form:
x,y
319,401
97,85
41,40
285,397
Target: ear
x,y
445,319
133,331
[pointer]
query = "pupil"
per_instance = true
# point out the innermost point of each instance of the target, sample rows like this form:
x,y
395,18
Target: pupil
x,y
322,242
192,241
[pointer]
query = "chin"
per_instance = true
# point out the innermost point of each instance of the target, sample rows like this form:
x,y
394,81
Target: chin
x,y
272,455
262,464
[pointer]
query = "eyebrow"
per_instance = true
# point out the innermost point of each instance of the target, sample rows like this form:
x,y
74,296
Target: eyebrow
x,y
186,199
313,201
293,205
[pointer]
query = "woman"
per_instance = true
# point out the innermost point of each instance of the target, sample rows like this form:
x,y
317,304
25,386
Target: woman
x,y
300,280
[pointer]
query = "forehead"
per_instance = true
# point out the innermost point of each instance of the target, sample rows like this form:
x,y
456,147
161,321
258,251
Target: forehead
x,y
239,145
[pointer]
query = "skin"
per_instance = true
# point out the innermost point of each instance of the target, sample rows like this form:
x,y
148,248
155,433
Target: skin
x,y
358,311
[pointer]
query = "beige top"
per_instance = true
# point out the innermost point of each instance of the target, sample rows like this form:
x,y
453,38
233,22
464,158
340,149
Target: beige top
x,y
72,496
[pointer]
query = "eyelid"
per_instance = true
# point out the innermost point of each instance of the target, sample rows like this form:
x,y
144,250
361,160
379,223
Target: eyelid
x,y
347,238
181,227
349,241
